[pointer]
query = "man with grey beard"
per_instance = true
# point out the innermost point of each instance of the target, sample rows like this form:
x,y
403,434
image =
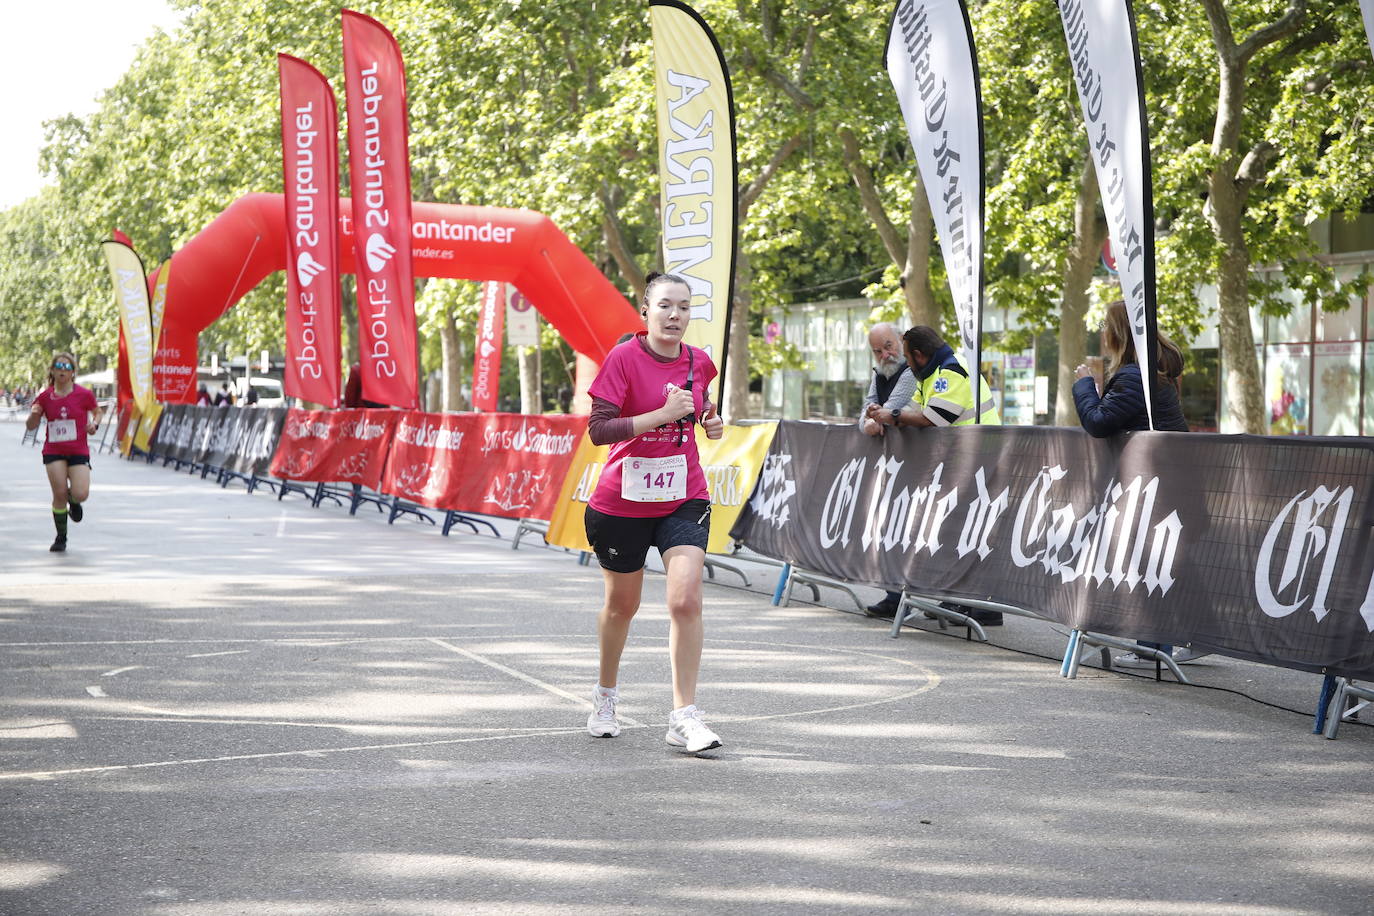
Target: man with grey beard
x,y
892,388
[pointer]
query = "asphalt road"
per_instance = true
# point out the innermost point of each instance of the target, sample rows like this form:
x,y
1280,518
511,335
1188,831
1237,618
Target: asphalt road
x,y
218,703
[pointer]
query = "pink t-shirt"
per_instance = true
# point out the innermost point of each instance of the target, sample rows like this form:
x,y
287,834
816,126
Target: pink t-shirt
x,y
634,379
67,417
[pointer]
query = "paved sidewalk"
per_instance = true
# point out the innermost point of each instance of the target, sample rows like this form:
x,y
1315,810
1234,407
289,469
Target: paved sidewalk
x,y
218,703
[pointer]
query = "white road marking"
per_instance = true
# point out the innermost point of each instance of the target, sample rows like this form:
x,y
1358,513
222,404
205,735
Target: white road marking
x,y
213,654
237,640
318,752
520,675
121,670
932,680
168,716
281,524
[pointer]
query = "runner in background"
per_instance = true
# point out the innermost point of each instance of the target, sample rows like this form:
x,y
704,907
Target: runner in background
x,y
646,400
72,414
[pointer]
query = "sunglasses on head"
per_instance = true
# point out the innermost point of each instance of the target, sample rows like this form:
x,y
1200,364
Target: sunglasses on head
x,y
62,364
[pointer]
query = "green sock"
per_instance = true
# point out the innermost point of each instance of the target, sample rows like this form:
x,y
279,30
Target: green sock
x,y
59,518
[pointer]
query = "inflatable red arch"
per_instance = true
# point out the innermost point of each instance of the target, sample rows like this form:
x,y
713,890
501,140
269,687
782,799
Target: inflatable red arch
x,y
247,242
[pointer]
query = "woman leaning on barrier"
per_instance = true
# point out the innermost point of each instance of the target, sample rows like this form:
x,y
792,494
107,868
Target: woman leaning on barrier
x,y
1120,407
647,398
72,414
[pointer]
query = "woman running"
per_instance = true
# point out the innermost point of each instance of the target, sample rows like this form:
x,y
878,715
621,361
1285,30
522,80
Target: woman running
x,y
646,399
72,414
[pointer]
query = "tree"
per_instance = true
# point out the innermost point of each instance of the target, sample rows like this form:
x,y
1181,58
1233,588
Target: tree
x,y
1288,144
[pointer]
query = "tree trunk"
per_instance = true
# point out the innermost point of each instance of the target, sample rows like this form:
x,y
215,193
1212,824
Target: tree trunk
x,y
911,258
1225,210
452,355
531,383
613,234
734,389
921,304
1244,390
1088,234
1228,186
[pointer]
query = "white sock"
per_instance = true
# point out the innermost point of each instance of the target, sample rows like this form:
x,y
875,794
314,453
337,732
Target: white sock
x,y
682,710
607,691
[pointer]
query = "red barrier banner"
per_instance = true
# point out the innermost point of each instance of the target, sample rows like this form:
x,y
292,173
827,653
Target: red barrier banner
x,y
174,360
507,465
335,445
310,178
486,366
379,175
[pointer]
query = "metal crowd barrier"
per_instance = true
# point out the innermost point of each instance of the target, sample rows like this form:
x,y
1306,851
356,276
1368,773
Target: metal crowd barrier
x,y
1337,708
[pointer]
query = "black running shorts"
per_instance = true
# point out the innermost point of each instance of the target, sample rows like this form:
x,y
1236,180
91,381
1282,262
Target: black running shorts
x,y
72,460
621,543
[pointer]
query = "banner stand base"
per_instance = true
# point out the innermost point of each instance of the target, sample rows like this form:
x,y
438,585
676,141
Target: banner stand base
x,y
359,497
323,492
254,481
286,486
1336,710
713,564
812,580
452,518
403,508
911,603
1079,638
525,525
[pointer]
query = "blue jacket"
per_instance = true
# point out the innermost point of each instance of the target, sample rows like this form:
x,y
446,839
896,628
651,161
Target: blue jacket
x,y
1122,405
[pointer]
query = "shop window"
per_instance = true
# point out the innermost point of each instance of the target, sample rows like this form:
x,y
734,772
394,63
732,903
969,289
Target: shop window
x,y
1336,389
1345,324
1018,389
1369,388
1295,327
1287,371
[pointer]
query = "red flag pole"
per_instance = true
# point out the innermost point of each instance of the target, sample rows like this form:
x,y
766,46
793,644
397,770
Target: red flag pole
x,y
379,176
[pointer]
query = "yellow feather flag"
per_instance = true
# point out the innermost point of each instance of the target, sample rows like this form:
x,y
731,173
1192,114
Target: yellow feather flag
x,y
697,172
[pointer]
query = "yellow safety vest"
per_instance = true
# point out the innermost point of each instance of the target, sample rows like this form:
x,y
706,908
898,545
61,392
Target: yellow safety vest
x,y
947,392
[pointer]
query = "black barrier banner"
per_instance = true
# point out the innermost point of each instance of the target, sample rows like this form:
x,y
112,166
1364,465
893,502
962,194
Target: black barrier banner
x,y
1258,547
256,440
235,439
226,428
160,442
175,433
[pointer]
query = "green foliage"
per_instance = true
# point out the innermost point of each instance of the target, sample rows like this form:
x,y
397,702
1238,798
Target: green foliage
x,y
549,106
766,358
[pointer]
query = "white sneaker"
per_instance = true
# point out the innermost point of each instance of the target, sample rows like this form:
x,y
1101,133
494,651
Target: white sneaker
x,y
1131,660
1187,656
686,730
602,723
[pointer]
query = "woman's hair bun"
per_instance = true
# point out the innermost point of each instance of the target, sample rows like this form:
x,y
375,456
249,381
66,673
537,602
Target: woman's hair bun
x,y
651,277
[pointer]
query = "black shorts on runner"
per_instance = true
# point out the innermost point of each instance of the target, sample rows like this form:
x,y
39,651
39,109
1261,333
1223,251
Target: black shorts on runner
x,y
70,459
621,543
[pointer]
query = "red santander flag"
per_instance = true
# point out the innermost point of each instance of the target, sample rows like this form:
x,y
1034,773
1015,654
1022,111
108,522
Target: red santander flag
x,y
486,366
310,180
379,176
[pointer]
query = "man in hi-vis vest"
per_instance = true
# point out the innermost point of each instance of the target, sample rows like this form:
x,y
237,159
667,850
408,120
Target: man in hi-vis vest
x,y
944,397
944,392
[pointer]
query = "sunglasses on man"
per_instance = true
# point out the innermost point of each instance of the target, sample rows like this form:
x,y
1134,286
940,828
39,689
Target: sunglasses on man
x,y
64,365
